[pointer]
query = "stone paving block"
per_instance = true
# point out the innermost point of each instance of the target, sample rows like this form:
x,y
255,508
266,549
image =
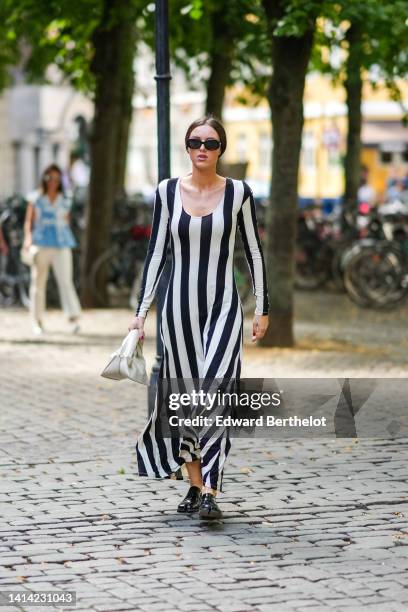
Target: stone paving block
x,y
114,606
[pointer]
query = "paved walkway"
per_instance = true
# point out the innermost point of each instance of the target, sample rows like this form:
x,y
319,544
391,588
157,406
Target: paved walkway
x,y
309,524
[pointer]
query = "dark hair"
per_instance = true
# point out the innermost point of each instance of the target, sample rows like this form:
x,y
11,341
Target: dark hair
x,y
215,123
48,169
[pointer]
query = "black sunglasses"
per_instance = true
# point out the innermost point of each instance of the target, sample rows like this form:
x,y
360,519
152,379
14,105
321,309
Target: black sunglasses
x,y
211,144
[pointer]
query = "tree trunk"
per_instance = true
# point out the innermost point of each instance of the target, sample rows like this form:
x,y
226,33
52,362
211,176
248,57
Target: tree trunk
x,y
220,70
221,62
112,67
354,86
290,58
127,88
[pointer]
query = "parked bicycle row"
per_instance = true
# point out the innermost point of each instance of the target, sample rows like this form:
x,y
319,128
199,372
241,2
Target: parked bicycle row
x,y
369,260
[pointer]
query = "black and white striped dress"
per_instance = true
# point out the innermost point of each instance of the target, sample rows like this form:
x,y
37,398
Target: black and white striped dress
x,y
202,320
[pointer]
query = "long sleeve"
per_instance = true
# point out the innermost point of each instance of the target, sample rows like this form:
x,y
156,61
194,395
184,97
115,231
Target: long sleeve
x,y
248,227
156,251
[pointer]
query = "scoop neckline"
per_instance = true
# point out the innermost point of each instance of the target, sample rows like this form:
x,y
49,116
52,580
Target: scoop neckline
x,y
46,197
208,214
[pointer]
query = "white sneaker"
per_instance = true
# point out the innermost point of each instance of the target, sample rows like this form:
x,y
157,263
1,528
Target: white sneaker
x,y
75,327
38,329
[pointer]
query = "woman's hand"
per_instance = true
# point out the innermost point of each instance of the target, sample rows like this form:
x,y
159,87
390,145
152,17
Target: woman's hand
x,y
138,323
28,225
259,327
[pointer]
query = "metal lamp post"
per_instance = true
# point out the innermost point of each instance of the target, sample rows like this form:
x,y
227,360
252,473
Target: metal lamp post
x,y
162,77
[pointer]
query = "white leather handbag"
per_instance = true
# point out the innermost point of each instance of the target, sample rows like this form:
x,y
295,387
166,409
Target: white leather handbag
x,y
28,256
128,360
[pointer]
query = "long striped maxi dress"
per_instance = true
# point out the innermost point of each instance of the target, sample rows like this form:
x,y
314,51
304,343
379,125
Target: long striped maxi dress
x,y
201,325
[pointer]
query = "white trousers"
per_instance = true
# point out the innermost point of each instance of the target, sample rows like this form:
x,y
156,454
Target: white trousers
x,y
61,261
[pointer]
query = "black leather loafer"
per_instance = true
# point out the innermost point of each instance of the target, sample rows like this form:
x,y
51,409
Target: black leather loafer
x,y
209,509
191,502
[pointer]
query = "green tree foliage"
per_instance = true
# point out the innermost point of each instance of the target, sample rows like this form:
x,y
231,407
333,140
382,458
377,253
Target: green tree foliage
x,y
38,33
362,41
218,41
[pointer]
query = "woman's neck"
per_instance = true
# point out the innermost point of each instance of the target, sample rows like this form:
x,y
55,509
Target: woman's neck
x,y
204,179
52,196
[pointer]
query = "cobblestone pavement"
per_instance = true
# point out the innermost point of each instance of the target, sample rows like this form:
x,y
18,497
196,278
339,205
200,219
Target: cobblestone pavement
x,y
308,524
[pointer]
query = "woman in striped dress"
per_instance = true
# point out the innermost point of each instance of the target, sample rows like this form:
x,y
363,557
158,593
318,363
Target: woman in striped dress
x,y
202,320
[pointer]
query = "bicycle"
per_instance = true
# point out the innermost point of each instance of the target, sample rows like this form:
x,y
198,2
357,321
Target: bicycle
x,y
14,275
376,274
376,269
121,265
318,245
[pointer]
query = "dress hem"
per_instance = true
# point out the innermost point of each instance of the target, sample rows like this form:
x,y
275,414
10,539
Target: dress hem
x,y
177,475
